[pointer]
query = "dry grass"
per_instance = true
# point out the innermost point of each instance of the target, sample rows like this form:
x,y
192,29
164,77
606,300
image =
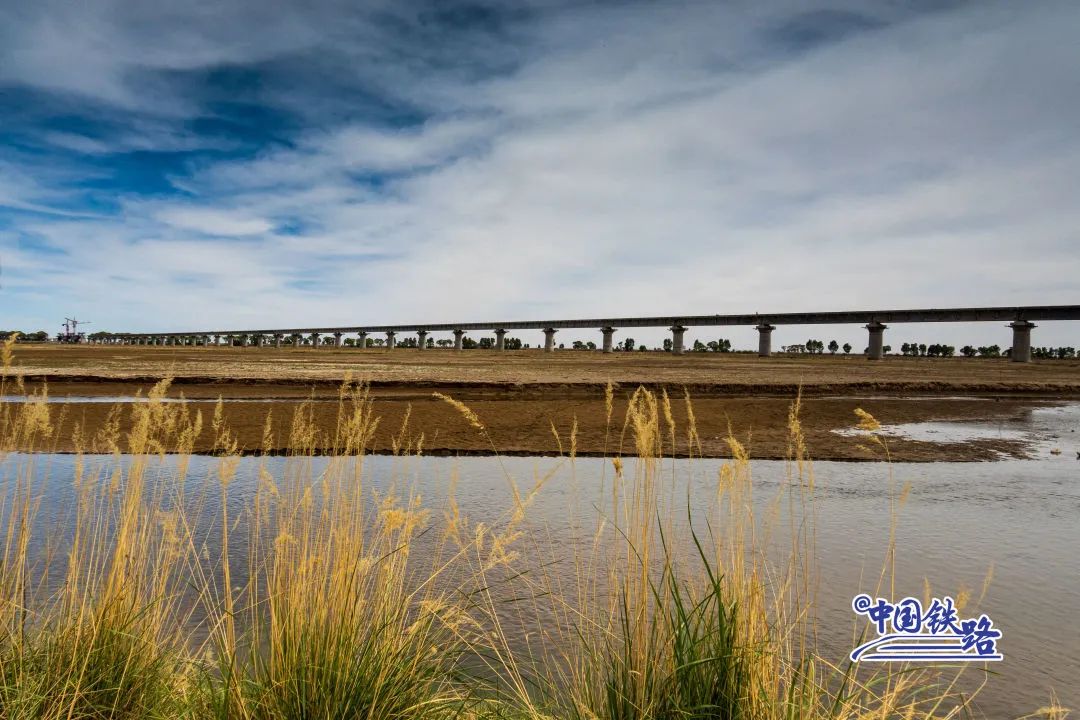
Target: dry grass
x,y
728,372
338,601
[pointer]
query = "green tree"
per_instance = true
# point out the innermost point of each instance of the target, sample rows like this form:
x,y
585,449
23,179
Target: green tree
x,y
833,346
847,348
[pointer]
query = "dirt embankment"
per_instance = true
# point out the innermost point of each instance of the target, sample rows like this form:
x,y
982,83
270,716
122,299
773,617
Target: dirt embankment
x,y
528,400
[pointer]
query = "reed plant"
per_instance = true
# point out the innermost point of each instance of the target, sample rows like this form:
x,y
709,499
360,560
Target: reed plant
x,y
325,594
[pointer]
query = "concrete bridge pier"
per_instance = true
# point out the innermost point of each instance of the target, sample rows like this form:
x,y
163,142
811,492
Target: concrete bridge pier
x,y
609,333
877,340
363,340
217,339
421,339
549,339
459,339
764,341
391,339
500,339
277,341
315,340
337,340
1021,343
677,334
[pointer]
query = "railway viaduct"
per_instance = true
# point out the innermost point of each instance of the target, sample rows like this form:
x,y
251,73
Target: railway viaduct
x,y
1020,319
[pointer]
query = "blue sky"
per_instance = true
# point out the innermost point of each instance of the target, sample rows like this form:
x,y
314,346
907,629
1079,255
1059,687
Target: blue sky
x,y
168,166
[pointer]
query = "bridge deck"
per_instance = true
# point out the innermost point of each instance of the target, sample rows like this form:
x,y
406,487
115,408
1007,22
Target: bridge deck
x,y
978,314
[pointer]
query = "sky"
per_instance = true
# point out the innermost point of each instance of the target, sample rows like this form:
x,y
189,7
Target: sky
x,y
172,166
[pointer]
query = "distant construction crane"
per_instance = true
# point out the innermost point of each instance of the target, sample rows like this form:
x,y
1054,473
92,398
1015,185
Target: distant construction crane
x,y
71,332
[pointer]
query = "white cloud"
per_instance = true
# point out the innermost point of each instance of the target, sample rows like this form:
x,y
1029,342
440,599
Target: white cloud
x,y
213,222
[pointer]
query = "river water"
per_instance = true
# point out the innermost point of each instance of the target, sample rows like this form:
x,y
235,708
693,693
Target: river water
x,y
1019,519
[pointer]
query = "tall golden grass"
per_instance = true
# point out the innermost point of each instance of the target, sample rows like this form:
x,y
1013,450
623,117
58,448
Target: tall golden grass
x,y
326,596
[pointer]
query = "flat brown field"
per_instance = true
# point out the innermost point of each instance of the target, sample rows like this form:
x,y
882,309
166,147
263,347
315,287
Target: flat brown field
x,y
522,395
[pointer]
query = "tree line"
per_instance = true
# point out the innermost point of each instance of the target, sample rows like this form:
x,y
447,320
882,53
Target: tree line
x,y
39,336
721,345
